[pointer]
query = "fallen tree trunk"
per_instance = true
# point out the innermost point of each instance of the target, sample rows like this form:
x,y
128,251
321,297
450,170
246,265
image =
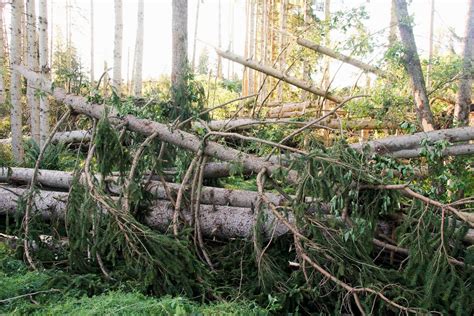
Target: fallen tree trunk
x,y
60,137
397,143
62,180
279,75
148,127
456,150
218,221
247,123
347,59
215,221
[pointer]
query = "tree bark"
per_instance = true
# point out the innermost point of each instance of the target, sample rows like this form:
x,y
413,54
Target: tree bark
x,y
118,47
92,41
138,57
279,75
148,127
282,43
179,63
15,85
463,98
61,137
392,36
196,24
413,67
347,59
32,62
44,68
396,143
2,57
455,150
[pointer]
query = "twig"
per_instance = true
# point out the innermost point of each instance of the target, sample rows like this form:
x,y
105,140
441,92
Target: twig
x,y
28,294
29,202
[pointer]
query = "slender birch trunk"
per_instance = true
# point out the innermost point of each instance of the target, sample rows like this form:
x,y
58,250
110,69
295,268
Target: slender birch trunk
x,y
430,49
44,68
413,67
2,58
463,100
15,85
92,41
179,47
138,57
196,24
117,73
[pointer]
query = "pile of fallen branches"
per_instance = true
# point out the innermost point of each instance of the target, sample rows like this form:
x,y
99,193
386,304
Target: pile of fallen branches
x,y
327,229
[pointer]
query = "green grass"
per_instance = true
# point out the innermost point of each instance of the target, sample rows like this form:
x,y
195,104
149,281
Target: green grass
x,y
67,294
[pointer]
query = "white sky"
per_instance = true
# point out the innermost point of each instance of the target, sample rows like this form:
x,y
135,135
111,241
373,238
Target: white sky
x,y
157,38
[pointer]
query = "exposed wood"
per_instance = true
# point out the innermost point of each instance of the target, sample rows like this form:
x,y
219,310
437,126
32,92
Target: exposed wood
x,y
347,59
279,75
463,98
147,127
413,67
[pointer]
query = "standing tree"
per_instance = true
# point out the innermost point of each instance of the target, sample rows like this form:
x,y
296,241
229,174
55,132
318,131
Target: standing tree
x,y
2,56
117,73
92,41
15,85
413,66
219,39
430,50
392,35
138,57
32,61
196,24
44,68
463,99
180,49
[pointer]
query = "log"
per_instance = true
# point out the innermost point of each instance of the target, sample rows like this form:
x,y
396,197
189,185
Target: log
x,y
247,123
147,127
307,86
62,180
397,143
347,59
216,221
455,150
60,137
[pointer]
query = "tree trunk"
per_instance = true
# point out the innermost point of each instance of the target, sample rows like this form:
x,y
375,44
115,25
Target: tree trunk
x,y
279,75
15,85
392,36
219,38
347,59
179,50
430,50
32,62
196,24
69,137
2,58
117,73
463,99
413,67
44,68
282,43
92,41
138,57
148,127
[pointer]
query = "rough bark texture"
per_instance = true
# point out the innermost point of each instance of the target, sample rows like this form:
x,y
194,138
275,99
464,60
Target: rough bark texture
x,y
463,99
396,143
15,85
179,48
61,137
118,36
279,75
32,62
456,150
413,67
138,57
147,127
392,36
44,68
347,59
219,221
2,58
244,123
